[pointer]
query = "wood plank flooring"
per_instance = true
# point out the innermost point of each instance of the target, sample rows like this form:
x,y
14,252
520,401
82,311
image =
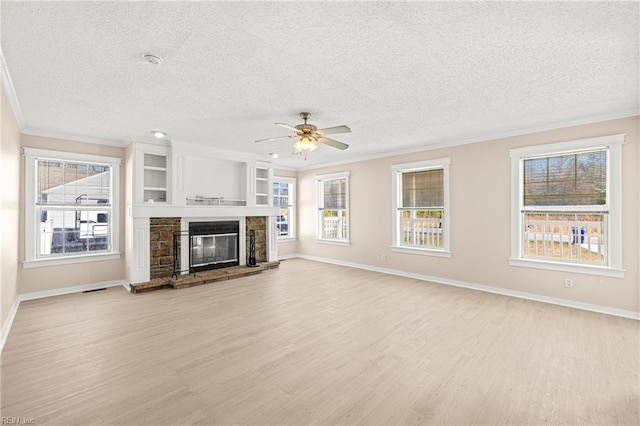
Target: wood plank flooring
x,y
312,343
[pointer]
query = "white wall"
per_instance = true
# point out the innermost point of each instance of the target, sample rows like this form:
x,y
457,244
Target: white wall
x,y
9,210
480,219
210,177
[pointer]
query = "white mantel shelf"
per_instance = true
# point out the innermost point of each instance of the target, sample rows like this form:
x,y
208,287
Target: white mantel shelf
x,y
167,210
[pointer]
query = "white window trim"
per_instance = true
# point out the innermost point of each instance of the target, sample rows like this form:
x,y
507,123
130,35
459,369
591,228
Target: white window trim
x,y
396,169
320,178
614,143
30,256
293,236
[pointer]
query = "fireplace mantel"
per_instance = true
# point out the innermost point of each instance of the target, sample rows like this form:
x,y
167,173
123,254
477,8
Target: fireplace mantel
x,y
149,210
139,267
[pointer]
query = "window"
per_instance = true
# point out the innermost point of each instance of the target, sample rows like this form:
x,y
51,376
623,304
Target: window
x,y
71,211
566,210
284,192
421,207
333,208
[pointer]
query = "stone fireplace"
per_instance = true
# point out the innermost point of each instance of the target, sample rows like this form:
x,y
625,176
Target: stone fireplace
x,y
161,248
204,251
153,225
259,225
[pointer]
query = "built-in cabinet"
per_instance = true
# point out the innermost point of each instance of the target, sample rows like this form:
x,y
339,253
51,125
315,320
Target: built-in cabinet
x,y
152,173
263,186
155,178
194,183
203,178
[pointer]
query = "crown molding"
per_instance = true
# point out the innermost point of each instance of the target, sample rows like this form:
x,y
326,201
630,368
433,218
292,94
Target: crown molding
x,y
284,167
148,140
73,137
10,91
237,155
487,137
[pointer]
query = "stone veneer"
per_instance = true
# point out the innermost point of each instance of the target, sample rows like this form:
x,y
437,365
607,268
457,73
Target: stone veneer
x,y
161,239
258,224
161,243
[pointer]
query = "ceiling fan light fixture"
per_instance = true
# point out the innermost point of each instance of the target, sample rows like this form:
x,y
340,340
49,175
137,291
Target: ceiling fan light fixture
x,y
310,136
305,143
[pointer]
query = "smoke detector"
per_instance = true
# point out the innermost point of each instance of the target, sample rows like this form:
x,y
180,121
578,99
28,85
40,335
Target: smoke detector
x,y
152,59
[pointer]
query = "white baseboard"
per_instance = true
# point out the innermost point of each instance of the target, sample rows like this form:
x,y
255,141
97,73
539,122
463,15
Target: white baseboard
x,y
69,290
497,290
288,256
6,327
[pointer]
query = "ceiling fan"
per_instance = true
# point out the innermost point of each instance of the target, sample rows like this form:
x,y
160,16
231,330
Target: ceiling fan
x,y
309,136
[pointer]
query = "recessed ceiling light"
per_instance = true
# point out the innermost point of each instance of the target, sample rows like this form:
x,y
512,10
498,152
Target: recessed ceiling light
x,y
273,154
152,59
158,134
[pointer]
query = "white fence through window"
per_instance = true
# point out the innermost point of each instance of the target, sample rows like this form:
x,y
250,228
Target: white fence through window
x,y
423,228
575,237
334,228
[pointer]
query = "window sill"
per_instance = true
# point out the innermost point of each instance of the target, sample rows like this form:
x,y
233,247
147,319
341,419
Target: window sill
x,y
69,260
602,271
334,242
286,239
421,251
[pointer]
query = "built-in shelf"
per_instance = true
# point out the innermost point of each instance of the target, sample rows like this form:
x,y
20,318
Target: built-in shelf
x,y
155,196
262,186
155,178
262,173
214,201
155,160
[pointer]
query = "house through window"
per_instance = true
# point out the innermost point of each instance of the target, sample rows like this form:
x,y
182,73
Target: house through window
x,y
74,205
72,208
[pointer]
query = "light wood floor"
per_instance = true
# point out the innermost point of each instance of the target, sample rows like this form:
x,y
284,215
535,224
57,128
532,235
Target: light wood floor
x,y
313,343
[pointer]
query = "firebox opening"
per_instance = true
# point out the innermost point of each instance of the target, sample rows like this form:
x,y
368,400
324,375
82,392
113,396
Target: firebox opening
x,y
213,245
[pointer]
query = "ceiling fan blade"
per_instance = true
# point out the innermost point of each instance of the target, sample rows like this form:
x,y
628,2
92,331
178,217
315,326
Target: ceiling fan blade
x,y
286,126
332,143
334,130
273,139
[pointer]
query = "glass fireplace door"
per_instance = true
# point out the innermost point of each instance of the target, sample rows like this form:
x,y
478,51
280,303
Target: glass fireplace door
x,y
213,249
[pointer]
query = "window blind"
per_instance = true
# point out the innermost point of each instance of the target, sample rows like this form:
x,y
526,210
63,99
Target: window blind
x,y
423,188
578,179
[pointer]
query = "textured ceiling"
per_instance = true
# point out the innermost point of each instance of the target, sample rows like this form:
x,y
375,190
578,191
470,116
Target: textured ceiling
x,y
402,75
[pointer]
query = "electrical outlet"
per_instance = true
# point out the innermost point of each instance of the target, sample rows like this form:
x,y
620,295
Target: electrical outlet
x,y
568,283
384,257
